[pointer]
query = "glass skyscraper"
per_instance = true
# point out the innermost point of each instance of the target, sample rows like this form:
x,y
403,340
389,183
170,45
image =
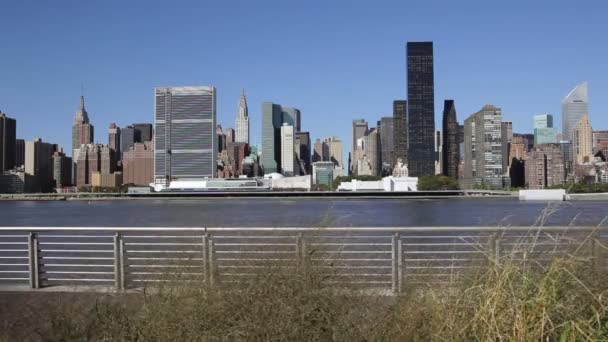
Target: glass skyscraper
x,y
273,117
184,140
574,106
544,133
450,150
421,109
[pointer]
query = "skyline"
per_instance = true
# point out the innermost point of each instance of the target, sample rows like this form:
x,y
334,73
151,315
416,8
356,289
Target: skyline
x,y
352,72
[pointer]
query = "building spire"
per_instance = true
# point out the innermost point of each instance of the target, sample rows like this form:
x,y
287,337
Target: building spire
x,y
81,115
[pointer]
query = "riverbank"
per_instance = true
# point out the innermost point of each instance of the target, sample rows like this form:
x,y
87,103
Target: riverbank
x,y
85,196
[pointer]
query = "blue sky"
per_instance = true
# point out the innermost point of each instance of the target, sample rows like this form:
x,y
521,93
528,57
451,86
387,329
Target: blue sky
x,y
334,60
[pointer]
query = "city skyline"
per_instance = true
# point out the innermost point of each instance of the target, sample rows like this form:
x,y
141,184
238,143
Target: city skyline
x,y
524,87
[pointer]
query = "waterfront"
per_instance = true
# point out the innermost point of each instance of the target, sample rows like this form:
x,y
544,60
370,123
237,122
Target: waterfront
x,y
299,212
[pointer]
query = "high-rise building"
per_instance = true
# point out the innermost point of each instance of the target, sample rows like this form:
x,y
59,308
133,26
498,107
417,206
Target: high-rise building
x,y
574,106
600,141
438,137
8,141
143,132
517,159
451,147
39,165
371,148
230,136
332,147
544,133
387,144
483,162
360,127
62,170
273,117
127,137
303,152
107,160
545,166
184,141
138,164
400,130
507,137
318,154
242,120
221,138
582,141
20,153
114,140
421,109
82,131
288,165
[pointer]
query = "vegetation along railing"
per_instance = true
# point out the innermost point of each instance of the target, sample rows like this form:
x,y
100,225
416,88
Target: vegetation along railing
x,y
366,257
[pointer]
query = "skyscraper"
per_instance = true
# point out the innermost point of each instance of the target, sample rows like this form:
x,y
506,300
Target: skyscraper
x,y
421,109
230,135
143,132
184,139
483,148
574,106
39,165
288,165
242,120
545,166
273,118
399,130
332,147
386,130
114,140
544,133
450,149
62,170
318,151
360,127
138,164
82,130
303,152
8,141
20,153
127,137
507,137
582,141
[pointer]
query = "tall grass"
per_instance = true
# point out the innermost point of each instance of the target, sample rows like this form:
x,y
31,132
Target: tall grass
x,y
512,298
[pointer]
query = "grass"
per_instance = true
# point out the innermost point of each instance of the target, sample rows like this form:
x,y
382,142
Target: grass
x,y
516,297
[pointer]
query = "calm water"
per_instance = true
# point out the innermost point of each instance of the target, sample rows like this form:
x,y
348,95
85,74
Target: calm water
x,y
299,212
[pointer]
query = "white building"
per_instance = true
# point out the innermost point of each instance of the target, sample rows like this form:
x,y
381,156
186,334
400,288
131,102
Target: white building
x,y
242,120
389,184
288,155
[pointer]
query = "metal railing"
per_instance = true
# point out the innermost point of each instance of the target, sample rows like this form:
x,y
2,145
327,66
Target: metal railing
x,y
365,257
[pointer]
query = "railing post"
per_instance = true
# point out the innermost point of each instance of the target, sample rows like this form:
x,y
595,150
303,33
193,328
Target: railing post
x,y
395,263
205,259
598,255
33,260
400,263
121,254
116,240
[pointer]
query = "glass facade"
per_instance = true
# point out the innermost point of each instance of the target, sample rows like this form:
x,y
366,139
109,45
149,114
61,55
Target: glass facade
x,y
421,109
185,139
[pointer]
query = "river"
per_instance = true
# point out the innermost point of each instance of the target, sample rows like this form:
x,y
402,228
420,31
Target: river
x,y
300,212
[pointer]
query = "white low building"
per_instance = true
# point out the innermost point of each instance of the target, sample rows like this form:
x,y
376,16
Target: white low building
x,y
390,184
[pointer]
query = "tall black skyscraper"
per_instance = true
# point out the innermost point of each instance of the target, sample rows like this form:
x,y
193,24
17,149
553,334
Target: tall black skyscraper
x,y
400,130
8,137
421,109
143,132
451,153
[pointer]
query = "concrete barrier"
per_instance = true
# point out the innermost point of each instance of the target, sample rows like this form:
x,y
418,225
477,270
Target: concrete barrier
x,y
542,195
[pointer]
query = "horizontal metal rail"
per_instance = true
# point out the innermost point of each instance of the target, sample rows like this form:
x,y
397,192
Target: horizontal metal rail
x,y
385,257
